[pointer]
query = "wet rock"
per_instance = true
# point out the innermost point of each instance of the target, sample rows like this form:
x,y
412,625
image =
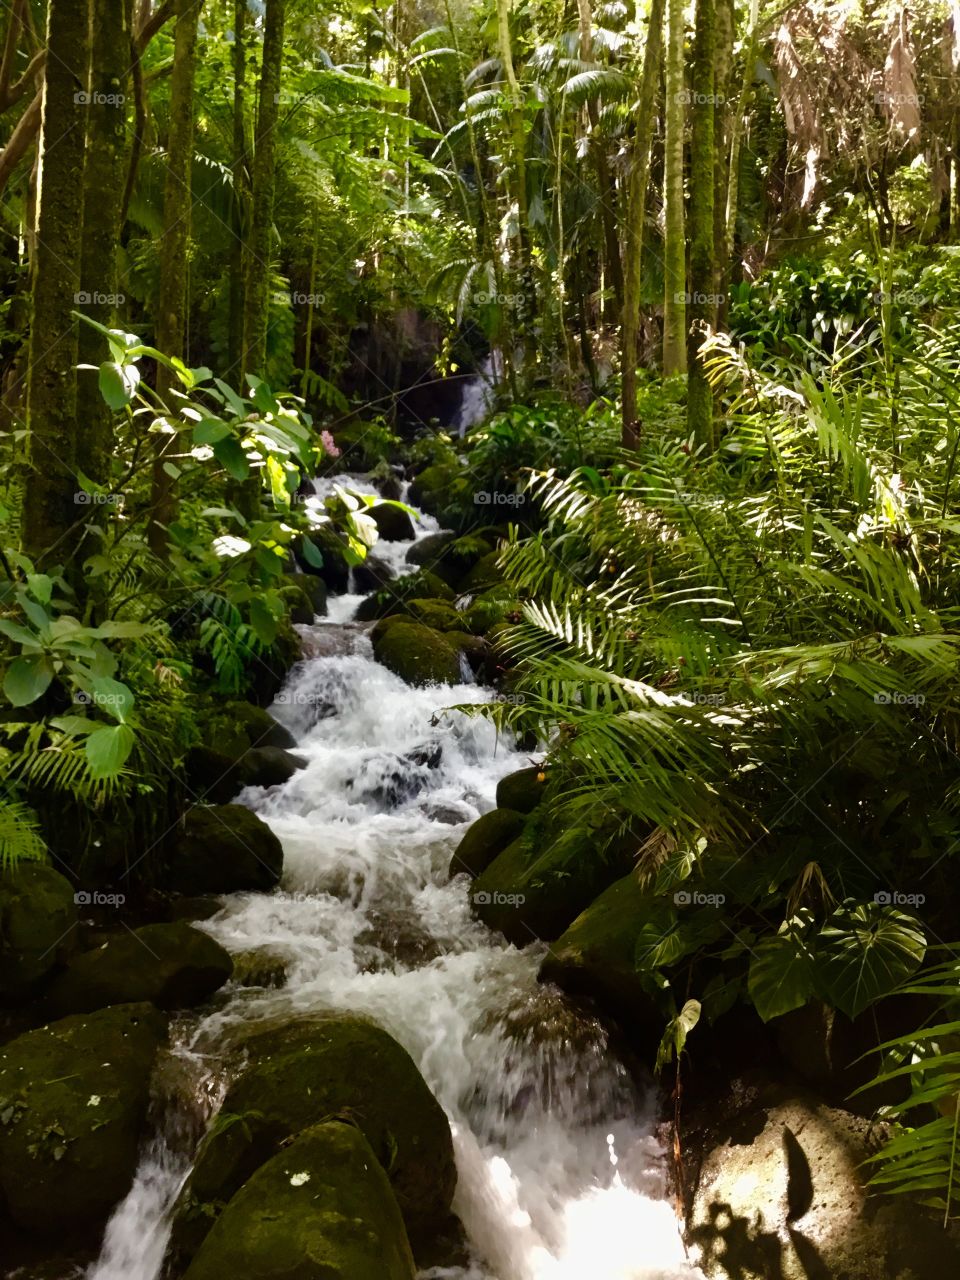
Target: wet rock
x,y
393,598
485,573
267,674
334,572
418,655
491,608
430,490
449,557
322,1207
474,648
170,965
298,604
237,726
452,815
522,790
307,1072
438,614
487,837
373,575
780,1193
393,523
73,1105
224,848
270,766
37,918
261,967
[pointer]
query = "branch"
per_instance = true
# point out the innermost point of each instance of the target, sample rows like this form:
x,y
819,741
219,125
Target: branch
x,y
27,128
10,97
152,25
10,46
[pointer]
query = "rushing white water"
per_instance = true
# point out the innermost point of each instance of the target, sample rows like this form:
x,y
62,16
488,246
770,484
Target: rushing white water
x,y
478,395
560,1175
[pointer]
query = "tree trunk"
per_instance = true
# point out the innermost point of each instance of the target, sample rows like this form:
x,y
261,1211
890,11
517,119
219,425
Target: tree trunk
x,y
606,189
633,229
738,123
703,282
104,171
257,302
171,322
674,244
518,162
240,185
723,70
49,509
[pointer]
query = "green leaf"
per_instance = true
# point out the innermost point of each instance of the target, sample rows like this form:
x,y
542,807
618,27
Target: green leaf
x,y
211,430
675,1034
107,750
263,621
230,455
312,554
865,953
237,407
113,697
118,383
27,679
41,587
14,631
781,972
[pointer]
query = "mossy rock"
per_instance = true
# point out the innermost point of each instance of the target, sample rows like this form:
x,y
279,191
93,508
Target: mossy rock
x,y
256,725
73,1107
322,1207
531,891
486,573
269,670
418,655
37,917
222,849
170,965
438,614
393,523
492,607
484,839
474,648
448,556
430,490
522,790
301,1075
334,573
297,603
393,598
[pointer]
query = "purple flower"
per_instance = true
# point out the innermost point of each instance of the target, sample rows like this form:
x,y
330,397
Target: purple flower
x,y
326,439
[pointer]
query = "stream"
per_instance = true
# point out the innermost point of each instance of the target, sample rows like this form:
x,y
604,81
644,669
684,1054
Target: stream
x,y
560,1173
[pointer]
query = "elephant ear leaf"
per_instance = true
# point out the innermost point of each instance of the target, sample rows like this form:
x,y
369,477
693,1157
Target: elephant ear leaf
x,y
781,976
107,750
865,952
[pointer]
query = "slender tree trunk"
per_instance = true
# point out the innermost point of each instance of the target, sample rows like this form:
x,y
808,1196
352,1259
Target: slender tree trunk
x,y
104,171
606,188
703,265
240,184
171,321
636,213
257,302
674,242
737,127
723,70
49,507
518,162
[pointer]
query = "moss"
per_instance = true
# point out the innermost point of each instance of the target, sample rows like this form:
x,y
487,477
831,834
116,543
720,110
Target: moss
x,y
484,574
224,848
323,1207
431,489
303,1074
37,915
492,607
484,839
73,1104
393,598
449,557
170,965
393,523
418,655
438,614
522,790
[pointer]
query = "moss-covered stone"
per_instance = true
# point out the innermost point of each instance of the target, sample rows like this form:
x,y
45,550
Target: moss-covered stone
x,y
223,848
73,1102
438,614
418,655
431,489
37,915
393,523
492,607
301,1075
448,556
484,839
334,573
236,726
522,790
485,573
322,1207
297,603
170,965
393,598
267,674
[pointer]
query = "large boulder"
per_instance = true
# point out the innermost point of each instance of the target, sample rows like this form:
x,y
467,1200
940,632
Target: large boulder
x,y
484,839
486,573
38,912
304,1074
322,1207
522,790
780,1192
393,523
449,557
331,551
393,597
73,1106
170,965
532,890
224,848
490,609
418,655
430,490
438,614
217,778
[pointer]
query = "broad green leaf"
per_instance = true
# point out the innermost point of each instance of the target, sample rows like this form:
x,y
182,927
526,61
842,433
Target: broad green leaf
x,y
27,679
14,631
263,622
210,431
781,973
118,383
41,587
312,553
237,407
107,750
866,952
230,455
112,697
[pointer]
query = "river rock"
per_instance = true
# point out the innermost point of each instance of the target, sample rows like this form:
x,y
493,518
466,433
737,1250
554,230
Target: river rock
x,y
780,1193
251,726
485,573
418,655
334,572
224,848
170,965
268,670
37,918
491,608
438,614
393,523
522,790
270,766
322,1207
373,575
73,1105
430,490
303,1074
485,838
393,598
449,557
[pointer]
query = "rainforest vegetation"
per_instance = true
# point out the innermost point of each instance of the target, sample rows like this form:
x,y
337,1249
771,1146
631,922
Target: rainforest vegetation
x,y
647,315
